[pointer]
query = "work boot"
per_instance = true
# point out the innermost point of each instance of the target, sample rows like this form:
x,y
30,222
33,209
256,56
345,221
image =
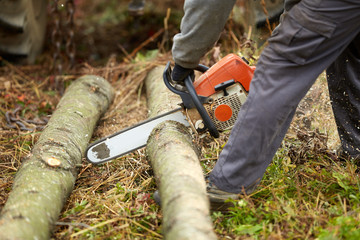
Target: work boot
x,y
136,7
219,199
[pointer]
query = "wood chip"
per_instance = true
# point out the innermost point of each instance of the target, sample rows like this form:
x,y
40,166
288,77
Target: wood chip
x,y
53,162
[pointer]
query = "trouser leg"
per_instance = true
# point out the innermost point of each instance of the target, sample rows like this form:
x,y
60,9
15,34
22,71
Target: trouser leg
x,y
344,88
287,68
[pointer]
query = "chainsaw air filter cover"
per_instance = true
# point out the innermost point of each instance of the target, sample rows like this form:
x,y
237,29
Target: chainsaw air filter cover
x,y
223,110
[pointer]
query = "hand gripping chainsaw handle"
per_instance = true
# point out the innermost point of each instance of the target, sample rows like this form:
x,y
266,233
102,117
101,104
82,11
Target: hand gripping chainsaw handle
x,y
190,98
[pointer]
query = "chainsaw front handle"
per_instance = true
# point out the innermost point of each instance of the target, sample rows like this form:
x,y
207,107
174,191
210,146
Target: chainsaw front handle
x,y
168,79
201,68
200,108
190,98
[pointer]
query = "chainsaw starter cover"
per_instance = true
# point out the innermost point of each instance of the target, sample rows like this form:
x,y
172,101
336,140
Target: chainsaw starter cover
x,y
223,112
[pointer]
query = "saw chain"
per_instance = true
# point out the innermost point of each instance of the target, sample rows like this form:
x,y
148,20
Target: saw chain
x,y
62,36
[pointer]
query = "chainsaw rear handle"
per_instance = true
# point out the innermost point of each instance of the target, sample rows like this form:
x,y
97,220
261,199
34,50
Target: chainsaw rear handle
x,y
191,98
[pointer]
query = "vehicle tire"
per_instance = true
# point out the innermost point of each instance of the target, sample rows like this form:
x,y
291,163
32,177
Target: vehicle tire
x,y
22,29
274,8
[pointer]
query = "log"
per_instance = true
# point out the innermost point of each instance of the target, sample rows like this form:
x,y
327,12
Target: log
x,y
47,177
175,162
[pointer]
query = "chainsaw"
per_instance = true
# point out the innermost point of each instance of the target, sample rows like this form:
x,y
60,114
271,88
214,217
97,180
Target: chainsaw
x,y
210,103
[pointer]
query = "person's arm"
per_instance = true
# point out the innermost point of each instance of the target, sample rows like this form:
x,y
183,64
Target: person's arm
x,y
201,26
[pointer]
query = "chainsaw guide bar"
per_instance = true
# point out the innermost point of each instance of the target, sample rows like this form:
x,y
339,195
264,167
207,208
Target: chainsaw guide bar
x,y
129,139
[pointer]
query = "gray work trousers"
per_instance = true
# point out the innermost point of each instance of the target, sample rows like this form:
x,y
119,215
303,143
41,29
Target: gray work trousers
x,y
313,36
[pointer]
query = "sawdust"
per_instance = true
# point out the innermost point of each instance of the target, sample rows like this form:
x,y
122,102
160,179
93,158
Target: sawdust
x,y
314,114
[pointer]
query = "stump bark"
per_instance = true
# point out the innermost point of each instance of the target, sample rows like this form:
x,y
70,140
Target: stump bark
x,y
47,177
177,169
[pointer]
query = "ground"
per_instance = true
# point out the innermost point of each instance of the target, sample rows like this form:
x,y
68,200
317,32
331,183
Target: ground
x,y
307,192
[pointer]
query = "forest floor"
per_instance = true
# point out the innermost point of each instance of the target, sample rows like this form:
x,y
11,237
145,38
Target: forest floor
x,y
306,193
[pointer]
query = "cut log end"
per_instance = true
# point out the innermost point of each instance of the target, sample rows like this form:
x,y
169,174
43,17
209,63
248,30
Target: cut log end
x,y
53,162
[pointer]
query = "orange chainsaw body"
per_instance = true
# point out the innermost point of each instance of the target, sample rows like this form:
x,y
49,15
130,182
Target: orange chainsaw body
x,y
223,105
229,67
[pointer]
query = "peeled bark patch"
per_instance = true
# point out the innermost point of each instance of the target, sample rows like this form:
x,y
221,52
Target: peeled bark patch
x,y
48,175
177,169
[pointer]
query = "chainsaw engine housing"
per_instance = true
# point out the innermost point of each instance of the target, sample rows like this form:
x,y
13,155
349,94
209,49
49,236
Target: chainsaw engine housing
x,y
222,107
225,86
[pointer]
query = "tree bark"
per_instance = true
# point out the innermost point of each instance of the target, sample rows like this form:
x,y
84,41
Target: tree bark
x,y
177,169
47,177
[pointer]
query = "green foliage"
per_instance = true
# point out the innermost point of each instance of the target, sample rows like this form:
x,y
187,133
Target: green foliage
x,y
79,206
342,227
147,56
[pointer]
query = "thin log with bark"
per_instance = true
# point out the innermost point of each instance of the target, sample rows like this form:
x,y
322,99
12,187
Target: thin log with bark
x,y
47,176
177,169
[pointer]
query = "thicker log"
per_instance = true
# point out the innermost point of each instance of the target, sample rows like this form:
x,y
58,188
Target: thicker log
x,y
47,177
177,169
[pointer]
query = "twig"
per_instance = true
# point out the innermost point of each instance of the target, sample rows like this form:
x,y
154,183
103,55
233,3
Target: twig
x,y
263,4
166,29
127,56
146,42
